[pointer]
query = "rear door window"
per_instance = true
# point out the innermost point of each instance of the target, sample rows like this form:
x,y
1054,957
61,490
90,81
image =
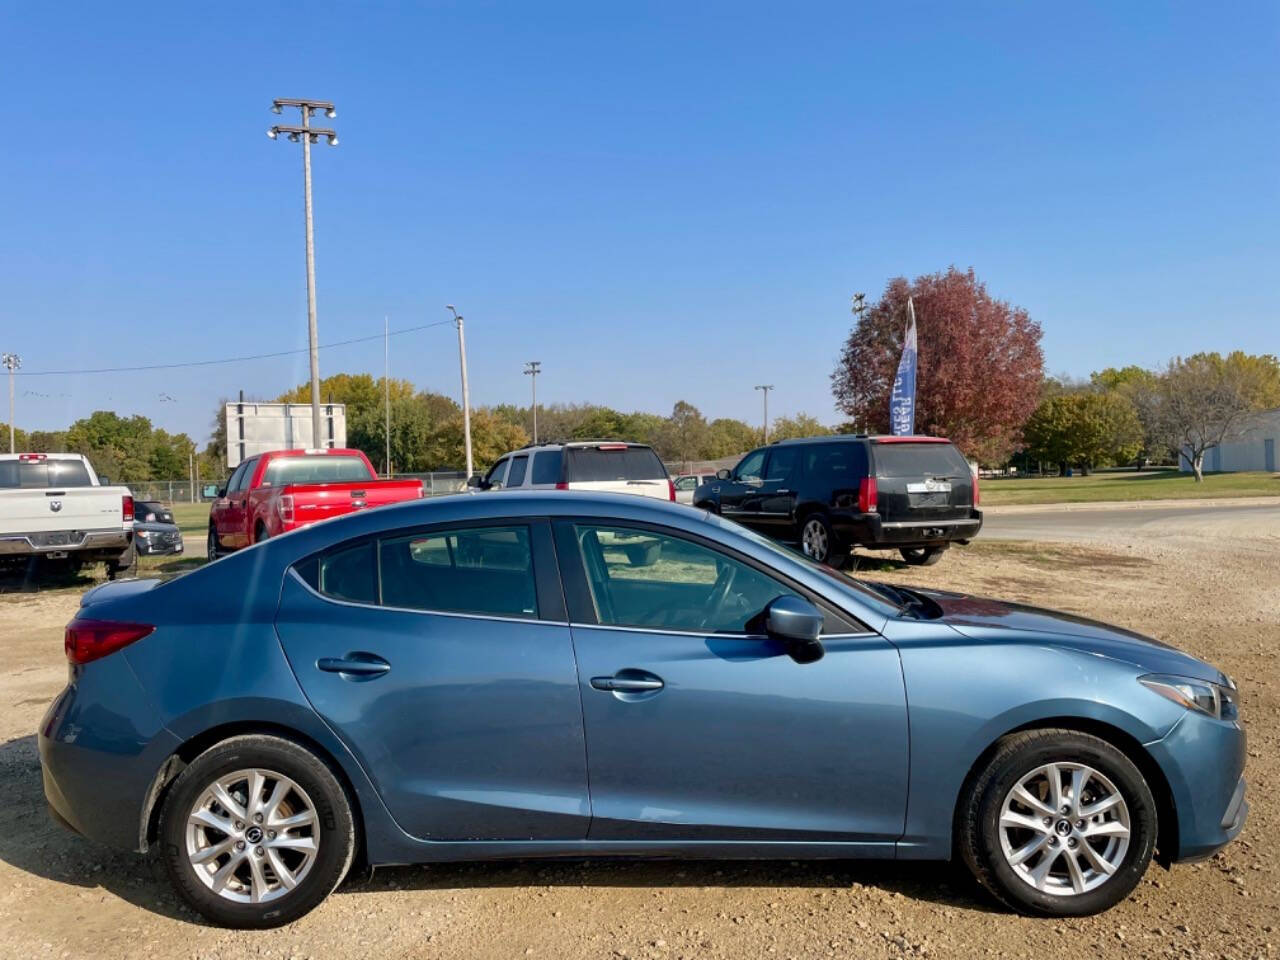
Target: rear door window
x,y
546,467
516,477
595,464
782,463
349,573
485,570
938,460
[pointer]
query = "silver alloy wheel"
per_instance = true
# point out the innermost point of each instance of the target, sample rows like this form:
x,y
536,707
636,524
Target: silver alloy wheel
x,y
1064,828
814,540
252,835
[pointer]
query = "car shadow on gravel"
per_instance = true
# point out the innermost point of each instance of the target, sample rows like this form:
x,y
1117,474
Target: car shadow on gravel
x,y
31,842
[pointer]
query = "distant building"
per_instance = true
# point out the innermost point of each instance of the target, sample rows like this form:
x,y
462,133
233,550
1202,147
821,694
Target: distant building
x,y
1253,447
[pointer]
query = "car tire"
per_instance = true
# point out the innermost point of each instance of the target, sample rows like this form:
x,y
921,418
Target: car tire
x,y
922,556
260,532
211,548
258,850
819,542
1029,868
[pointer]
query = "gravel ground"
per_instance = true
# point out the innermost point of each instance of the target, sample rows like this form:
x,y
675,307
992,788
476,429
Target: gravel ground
x,y
1213,594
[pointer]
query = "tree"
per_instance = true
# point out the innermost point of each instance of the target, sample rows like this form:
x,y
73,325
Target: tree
x,y
685,436
727,437
491,437
979,363
801,425
1205,397
1085,428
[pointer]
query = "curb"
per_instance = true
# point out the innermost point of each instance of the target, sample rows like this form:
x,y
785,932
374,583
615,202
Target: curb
x,y
1188,503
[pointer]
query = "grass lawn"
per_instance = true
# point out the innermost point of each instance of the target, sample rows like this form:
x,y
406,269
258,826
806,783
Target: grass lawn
x,y
192,518
1147,485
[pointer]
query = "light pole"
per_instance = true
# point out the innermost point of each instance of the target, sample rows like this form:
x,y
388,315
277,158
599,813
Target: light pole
x,y
12,362
766,387
466,393
531,370
308,135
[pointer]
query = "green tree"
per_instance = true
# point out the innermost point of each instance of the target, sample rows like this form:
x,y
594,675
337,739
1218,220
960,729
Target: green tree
x,y
1085,428
727,437
801,425
684,438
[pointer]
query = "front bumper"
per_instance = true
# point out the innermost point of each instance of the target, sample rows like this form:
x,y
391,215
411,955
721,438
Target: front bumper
x,y
150,547
870,530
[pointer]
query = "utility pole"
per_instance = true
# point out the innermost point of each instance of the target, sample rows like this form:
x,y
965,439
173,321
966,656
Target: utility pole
x,y
191,469
531,370
308,135
386,381
859,308
12,362
466,393
766,387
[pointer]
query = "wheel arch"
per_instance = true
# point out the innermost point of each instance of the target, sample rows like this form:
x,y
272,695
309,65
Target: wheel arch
x,y
1125,742
193,747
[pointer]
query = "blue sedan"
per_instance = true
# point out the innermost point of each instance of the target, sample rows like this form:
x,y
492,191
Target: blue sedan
x,y
539,675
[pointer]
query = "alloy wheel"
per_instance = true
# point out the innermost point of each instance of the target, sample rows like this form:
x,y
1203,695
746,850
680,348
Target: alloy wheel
x,y
1064,828
252,835
814,539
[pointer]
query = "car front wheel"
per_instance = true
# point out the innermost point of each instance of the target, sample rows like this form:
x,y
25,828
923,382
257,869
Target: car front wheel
x,y
211,550
1058,823
256,832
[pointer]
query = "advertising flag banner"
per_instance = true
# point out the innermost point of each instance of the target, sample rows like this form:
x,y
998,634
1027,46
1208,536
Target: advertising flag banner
x,y
902,403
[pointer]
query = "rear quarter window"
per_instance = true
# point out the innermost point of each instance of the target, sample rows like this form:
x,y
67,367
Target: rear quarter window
x,y
919,460
546,466
587,464
835,466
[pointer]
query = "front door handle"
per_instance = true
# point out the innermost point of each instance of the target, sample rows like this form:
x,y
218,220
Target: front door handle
x,y
627,684
355,666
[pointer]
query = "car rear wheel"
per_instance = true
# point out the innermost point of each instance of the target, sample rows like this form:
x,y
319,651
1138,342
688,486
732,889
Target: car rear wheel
x,y
256,832
820,544
1058,823
922,556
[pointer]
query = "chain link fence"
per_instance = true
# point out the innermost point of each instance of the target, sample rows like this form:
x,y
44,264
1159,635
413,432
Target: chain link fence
x,y
435,484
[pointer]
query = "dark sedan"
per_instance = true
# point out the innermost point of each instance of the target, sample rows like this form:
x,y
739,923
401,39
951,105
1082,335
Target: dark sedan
x,y
477,677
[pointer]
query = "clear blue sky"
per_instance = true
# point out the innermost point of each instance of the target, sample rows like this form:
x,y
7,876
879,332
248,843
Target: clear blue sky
x,y
658,201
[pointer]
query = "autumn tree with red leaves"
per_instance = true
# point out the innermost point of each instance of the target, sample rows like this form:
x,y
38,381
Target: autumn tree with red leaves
x,y
979,370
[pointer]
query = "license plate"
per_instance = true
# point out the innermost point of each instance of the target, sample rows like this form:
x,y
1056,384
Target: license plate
x,y
930,486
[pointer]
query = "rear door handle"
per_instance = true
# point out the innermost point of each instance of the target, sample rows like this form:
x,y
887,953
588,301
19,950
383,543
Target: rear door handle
x,y
355,666
627,684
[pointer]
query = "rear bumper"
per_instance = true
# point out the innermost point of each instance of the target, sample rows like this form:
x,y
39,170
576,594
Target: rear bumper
x,y
870,530
114,540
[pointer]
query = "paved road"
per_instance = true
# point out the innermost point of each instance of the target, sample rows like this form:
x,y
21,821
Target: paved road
x,y
1055,523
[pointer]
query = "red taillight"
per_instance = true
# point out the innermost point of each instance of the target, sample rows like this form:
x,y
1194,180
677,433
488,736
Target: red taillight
x,y
89,640
284,506
671,490
611,446
126,507
867,495
562,485
31,456
976,499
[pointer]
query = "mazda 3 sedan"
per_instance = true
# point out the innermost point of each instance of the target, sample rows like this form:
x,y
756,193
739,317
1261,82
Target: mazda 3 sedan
x,y
565,674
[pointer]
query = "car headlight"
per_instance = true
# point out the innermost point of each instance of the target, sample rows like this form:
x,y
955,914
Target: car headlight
x,y
1214,699
145,534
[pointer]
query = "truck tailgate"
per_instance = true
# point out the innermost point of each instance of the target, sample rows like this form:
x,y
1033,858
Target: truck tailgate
x,y
315,502
38,510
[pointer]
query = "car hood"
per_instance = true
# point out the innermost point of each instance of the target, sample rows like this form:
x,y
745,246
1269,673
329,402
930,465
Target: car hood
x,y
982,618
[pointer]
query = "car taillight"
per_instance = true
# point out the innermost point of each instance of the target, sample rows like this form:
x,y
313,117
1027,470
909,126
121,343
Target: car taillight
x,y
867,495
285,508
671,490
32,457
126,507
562,485
89,640
976,498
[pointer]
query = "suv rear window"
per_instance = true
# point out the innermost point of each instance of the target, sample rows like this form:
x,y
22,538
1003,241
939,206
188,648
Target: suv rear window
x,y
317,468
624,463
43,473
919,460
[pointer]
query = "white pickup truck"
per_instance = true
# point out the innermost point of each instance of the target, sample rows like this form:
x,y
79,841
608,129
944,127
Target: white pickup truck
x,y
53,507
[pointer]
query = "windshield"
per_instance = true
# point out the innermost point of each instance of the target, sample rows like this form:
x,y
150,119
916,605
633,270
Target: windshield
x,y
320,468
869,595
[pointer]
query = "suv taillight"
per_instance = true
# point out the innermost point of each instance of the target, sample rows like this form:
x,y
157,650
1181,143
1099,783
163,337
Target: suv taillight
x,y
126,507
562,485
284,506
671,490
976,498
89,640
867,495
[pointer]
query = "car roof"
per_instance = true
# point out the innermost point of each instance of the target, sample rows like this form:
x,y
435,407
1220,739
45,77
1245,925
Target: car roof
x,y
564,444
871,437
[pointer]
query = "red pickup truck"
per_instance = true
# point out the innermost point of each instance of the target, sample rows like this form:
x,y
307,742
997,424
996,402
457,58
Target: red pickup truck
x,y
283,490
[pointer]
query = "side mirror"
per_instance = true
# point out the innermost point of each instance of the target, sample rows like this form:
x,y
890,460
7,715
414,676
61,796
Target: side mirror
x,y
209,491
723,474
798,623
222,492
476,482
104,481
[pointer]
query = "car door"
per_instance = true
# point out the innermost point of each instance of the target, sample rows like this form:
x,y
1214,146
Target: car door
x,y
443,660
737,494
776,494
698,726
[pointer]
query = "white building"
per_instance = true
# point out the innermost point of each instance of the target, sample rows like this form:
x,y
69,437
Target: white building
x,y
1252,446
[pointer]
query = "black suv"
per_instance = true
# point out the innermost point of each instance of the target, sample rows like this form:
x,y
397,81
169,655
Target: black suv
x,y
833,493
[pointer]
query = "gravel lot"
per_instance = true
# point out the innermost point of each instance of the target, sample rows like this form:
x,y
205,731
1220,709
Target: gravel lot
x,y
1213,592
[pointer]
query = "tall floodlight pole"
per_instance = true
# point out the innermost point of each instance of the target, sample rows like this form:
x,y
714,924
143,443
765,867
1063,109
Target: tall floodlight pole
x,y
308,135
766,387
859,308
531,370
12,362
466,393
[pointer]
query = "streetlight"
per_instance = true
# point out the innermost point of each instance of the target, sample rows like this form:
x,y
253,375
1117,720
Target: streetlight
x,y
766,387
12,361
466,393
531,370
308,135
